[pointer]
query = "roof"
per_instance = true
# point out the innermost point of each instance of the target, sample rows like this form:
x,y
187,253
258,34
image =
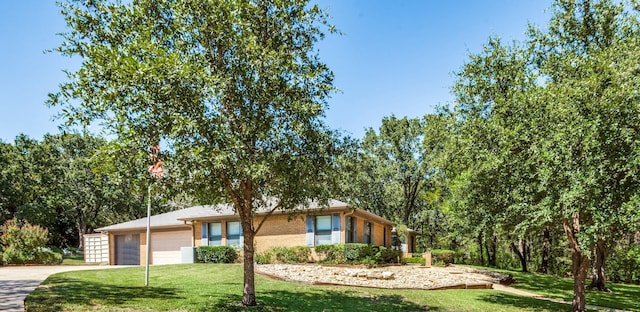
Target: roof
x,y
180,217
168,219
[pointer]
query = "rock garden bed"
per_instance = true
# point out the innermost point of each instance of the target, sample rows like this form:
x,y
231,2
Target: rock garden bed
x,y
397,277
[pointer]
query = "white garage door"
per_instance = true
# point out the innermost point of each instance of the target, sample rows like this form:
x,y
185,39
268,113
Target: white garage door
x,y
165,246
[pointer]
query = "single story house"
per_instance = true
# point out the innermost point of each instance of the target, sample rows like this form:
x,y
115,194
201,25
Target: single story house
x,y
335,223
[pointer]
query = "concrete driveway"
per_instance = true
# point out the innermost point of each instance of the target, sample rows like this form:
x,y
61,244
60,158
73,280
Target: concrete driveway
x,y
16,282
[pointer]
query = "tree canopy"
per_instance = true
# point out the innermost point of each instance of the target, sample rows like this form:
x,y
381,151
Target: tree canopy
x,y
550,127
234,89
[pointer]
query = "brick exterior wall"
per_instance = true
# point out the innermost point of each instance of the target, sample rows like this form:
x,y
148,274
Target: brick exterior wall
x,y
278,230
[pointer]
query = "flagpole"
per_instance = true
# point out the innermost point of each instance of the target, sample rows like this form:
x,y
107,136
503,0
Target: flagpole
x,y
146,269
156,172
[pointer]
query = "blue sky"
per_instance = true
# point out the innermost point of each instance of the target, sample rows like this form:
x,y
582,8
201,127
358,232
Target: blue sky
x,y
395,57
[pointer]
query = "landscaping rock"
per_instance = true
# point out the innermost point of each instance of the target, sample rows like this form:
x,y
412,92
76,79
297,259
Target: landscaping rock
x,y
409,277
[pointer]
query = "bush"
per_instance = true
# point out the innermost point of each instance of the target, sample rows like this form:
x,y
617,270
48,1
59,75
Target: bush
x,y
48,256
443,255
357,252
302,254
331,253
354,253
216,254
385,255
418,260
24,244
297,254
263,257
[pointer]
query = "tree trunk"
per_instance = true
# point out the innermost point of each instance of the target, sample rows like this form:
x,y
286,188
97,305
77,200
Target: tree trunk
x,y
249,291
82,229
491,251
580,262
546,246
598,279
248,232
521,251
481,248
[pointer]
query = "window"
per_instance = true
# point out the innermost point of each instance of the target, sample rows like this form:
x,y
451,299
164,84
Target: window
x,y
367,233
412,244
323,230
215,234
384,236
351,230
234,232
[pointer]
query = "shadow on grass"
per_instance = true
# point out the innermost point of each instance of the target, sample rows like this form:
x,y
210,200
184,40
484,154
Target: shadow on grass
x,y
62,290
523,302
622,296
316,300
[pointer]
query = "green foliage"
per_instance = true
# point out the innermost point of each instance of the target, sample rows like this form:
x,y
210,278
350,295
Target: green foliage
x,y
443,256
48,256
25,244
235,89
623,264
394,172
330,253
418,260
265,257
296,254
355,253
216,254
70,184
385,255
544,131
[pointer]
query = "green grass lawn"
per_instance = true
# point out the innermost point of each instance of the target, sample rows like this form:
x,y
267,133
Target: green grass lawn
x,y
74,260
622,296
210,287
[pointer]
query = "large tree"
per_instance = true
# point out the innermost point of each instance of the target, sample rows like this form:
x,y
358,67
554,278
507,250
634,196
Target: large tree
x,y
393,173
234,89
563,139
65,183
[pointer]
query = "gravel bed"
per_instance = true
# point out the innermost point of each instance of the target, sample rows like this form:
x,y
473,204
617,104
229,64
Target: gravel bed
x,y
405,277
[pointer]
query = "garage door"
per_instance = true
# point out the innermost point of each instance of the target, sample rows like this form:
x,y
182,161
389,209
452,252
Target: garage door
x,y
165,246
128,249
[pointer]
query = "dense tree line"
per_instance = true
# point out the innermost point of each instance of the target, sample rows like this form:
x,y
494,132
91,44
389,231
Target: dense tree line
x,y
534,165
70,184
536,162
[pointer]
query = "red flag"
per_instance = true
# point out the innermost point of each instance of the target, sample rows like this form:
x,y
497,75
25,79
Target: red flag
x,y
154,156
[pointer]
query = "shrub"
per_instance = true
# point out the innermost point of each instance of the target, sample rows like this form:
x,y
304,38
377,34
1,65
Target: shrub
x,y
385,255
263,257
418,260
24,244
48,256
331,253
216,254
354,253
302,254
298,254
357,252
443,255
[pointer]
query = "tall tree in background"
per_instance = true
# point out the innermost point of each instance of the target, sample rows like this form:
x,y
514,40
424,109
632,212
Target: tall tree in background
x,y
65,183
234,88
394,171
589,58
8,158
561,142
